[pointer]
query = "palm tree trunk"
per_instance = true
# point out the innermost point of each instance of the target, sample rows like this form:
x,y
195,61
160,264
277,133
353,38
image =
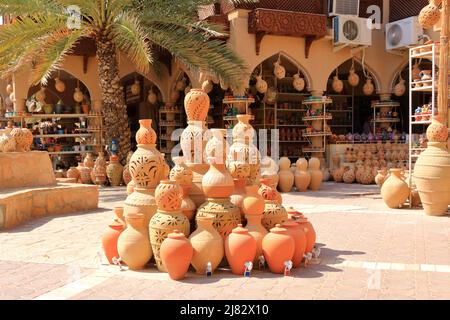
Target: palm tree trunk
x,y
113,100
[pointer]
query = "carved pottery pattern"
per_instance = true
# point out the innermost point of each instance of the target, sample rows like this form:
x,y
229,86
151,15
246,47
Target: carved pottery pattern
x,y
273,214
226,215
145,170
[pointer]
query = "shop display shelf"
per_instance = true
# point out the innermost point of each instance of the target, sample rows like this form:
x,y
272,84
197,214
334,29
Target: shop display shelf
x,y
309,102
346,111
234,118
233,101
67,135
316,134
421,122
341,125
312,150
61,115
68,152
385,104
423,88
169,111
291,125
312,118
299,110
382,120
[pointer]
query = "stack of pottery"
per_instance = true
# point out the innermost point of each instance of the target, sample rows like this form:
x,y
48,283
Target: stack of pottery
x,y
176,254
168,217
23,138
274,213
146,168
253,206
126,175
218,186
194,138
240,171
286,176
183,175
133,244
278,248
207,244
432,171
114,171
394,190
111,235
315,173
99,170
240,248
302,177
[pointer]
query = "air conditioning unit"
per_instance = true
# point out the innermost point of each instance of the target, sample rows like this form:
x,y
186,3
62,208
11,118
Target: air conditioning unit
x,y
343,7
403,33
350,30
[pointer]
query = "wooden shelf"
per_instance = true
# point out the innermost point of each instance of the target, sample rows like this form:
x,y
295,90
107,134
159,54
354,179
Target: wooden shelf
x,y
68,135
292,110
311,150
385,120
316,134
68,152
313,118
59,115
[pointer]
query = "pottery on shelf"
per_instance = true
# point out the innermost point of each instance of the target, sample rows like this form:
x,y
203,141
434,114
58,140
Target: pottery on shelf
x,y
207,244
114,171
286,177
278,248
176,254
240,248
394,190
133,244
85,173
298,235
302,177
316,174
338,174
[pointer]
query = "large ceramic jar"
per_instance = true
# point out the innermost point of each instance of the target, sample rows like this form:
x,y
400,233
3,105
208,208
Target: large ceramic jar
x,y
269,192
207,244
85,174
89,160
394,191
7,143
286,177
168,217
278,248
316,174
308,230
126,175
380,177
273,214
349,175
145,134
298,234
110,238
430,14
196,105
217,182
73,173
114,171
176,254
338,174
133,245
226,215
302,177
240,248
269,170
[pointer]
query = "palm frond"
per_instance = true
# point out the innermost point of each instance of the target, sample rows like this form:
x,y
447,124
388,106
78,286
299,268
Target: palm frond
x,y
30,7
129,37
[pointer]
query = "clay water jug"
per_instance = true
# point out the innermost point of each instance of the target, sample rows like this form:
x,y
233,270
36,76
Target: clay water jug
x,y
308,229
338,174
368,87
207,244
394,190
133,244
349,175
176,254
316,174
240,247
217,181
110,238
196,104
353,78
380,177
278,248
302,177
269,192
286,177
298,234
89,160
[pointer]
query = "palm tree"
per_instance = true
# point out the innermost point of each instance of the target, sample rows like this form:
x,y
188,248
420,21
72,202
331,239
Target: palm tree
x,y
40,37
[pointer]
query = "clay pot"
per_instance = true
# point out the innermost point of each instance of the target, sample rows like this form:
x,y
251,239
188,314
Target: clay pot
x,y
99,176
366,176
279,71
308,230
337,84
59,85
180,172
368,87
353,78
136,87
261,84
394,190
176,254
298,83
207,244
168,195
109,240
273,214
240,247
302,177
114,171
298,234
23,138
187,205
193,141
429,15
437,131
325,174
146,134
400,88
130,187
316,174
146,166
152,97
217,147
286,177
432,177
196,105
226,215
78,95
133,244
85,174
7,143
338,174
217,182
380,177
278,248
73,173
238,194
349,175
268,191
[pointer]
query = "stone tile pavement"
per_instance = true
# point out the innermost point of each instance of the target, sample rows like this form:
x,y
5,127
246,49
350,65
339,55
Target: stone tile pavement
x,y
368,251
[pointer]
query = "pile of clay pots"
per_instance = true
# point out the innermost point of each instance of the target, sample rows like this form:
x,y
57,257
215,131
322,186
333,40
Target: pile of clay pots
x,y
195,213
15,139
304,175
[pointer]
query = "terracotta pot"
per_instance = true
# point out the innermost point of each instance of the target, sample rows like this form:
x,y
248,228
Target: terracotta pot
x,y
349,175
196,105
367,176
188,206
380,177
226,215
269,192
23,138
146,166
368,87
243,131
238,194
109,240
7,143
217,182
394,190
273,214
207,244
176,254
126,175
261,84
337,84
338,174
85,174
353,78
133,245
279,71
325,174
429,15
286,177
298,234
400,88
217,147
278,248
302,177
180,172
73,173
145,134
193,141
308,229
298,83
78,95
316,174
240,247
141,200
432,177
168,195
437,131
114,171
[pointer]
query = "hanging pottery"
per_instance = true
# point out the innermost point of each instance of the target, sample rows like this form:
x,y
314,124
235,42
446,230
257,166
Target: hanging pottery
x,y
279,71
353,78
59,85
181,85
207,86
12,97
261,84
136,87
337,85
400,87
78,95
152,97
430,14
187,89
40,95
298,83
368,87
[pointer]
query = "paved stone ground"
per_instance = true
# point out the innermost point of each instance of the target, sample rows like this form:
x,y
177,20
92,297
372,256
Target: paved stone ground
x,y
367,252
